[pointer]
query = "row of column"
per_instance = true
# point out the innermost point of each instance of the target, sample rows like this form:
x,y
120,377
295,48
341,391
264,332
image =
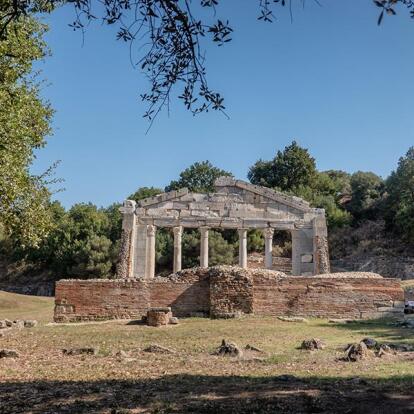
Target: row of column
x,y
178,232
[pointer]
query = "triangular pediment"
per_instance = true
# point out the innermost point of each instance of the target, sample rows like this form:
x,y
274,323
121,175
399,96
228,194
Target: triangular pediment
x,y
235,203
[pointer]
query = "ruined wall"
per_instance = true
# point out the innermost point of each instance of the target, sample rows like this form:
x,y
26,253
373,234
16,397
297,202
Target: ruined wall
x,y
226,290
327,297
78,300
231,292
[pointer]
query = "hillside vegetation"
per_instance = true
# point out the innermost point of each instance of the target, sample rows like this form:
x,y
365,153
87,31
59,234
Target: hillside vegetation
x,y
370,221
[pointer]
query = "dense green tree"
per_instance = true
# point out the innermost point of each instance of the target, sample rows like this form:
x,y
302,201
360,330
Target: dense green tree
x,y
400,201
24,124
144,192
198,177
291,168
366,192
79,245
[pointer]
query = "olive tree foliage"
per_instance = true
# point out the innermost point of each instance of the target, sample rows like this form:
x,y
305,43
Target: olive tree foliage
x,y
24,124
198,177
169,37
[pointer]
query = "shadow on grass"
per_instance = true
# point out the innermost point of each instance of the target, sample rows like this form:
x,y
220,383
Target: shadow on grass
x,y
211,394
386,329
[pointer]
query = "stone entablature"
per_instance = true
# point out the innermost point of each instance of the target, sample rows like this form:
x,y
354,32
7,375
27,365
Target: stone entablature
x,y
235,205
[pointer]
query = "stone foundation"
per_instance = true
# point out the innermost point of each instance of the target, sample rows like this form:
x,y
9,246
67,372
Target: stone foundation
x,y
225,291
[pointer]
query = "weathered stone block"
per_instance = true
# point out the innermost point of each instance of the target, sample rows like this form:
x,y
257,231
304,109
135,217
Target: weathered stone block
x,y
306,258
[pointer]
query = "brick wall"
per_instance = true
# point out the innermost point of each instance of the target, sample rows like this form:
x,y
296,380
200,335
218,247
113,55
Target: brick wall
x,y
327,297
77,300
231,292
227,290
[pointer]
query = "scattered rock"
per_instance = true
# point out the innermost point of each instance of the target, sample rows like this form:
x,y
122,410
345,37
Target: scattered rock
x,y
356,352
9,323
174,321
228,349
8,353
80,351
249,347
3,324
18,324
122,354
158,316
370,343
292,319
385,350
312,344
30,324
158,349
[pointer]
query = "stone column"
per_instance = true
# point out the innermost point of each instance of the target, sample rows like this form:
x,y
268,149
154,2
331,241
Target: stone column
x,y
150,259
126,252
204,246
243,248
178,232
268,236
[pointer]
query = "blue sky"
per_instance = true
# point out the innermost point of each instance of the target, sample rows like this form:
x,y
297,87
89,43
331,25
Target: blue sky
x,y
331,79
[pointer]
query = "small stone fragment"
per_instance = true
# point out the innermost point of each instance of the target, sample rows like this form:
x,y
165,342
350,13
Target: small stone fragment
x,y
9,323
370,343
158,349
292,319
228,349
8,353
80,351
356,352
174,320
385,350
18,324
121,354
3,324
30,324
249,347
312,344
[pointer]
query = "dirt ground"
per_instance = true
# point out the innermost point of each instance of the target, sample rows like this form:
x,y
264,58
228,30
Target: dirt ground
x,y
280,379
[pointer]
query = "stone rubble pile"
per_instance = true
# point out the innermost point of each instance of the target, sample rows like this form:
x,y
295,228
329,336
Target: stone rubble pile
x,y
17,323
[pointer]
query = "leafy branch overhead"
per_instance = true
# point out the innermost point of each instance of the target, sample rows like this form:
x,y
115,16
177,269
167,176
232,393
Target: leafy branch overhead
x,y
169,36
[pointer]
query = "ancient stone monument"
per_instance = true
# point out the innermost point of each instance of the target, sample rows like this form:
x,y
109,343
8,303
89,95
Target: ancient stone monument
x,y
226,291
235,205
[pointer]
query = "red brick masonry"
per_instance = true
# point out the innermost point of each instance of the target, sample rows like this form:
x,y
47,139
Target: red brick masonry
x,y
222,290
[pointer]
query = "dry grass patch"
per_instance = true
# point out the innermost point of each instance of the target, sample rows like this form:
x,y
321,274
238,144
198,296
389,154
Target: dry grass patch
x,y
284,378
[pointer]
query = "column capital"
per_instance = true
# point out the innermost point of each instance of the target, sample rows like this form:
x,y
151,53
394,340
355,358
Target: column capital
x,y
151,229
268,232
204,229
128,207
178,230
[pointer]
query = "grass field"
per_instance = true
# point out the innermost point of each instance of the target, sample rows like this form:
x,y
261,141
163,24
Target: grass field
x,y
282,379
